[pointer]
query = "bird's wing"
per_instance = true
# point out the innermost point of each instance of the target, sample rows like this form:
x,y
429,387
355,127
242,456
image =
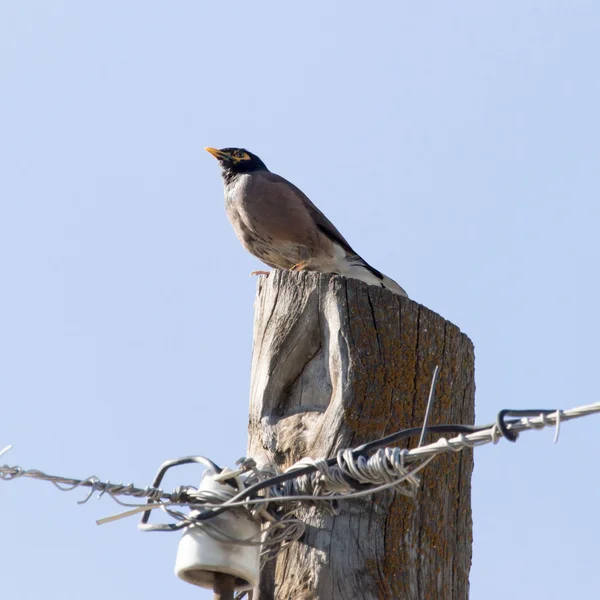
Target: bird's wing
x,y
321,221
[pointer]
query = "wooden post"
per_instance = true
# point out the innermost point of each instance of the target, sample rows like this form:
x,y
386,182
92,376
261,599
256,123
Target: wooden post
x,y
337,363
224,586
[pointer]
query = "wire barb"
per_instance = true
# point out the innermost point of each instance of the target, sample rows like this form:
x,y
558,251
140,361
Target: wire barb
x,y
429,404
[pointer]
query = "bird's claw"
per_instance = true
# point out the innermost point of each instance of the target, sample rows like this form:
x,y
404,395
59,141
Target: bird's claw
x,y
259,273
300,266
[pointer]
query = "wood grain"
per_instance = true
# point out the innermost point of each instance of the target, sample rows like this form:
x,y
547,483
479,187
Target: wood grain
x,y
337,363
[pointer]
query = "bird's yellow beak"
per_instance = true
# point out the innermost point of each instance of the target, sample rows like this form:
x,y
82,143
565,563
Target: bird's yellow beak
x,y
216,153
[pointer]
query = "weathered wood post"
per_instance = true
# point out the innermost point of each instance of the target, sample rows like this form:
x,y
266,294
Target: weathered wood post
x,y
337,363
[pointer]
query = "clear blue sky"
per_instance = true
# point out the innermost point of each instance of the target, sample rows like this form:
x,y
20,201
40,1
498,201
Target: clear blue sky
x,y
455,144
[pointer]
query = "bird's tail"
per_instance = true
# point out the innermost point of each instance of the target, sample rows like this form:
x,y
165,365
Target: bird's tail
x,y
391,285
357,268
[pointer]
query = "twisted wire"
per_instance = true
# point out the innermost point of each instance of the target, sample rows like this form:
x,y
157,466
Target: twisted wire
x,y
388,467
305,487
67,484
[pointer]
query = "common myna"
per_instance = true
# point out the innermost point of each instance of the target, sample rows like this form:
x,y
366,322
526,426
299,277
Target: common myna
x,y
278,224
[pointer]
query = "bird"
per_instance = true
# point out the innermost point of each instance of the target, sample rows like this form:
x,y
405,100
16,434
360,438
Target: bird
x,y
276,222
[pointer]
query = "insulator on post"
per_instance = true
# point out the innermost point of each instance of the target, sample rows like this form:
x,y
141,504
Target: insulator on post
x,y
200,555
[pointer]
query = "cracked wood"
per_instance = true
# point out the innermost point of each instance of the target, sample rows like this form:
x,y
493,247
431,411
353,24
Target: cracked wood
x,y
337,363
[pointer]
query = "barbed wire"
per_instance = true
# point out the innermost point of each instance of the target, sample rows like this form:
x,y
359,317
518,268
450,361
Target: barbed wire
x,y
68,484
272,497
190,495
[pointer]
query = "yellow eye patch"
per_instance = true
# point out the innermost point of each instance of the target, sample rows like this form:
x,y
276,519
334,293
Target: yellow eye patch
x,y
239,155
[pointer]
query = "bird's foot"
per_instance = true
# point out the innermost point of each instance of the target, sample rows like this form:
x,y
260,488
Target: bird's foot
x,y
259,273
300,266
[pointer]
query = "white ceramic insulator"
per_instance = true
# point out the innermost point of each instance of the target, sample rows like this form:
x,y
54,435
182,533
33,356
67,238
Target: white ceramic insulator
x,y
199,555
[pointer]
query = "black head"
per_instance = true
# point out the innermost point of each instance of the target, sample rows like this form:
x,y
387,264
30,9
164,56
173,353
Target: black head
x,y
234,161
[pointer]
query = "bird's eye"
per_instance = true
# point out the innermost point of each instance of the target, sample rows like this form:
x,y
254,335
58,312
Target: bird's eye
x,y
239,154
